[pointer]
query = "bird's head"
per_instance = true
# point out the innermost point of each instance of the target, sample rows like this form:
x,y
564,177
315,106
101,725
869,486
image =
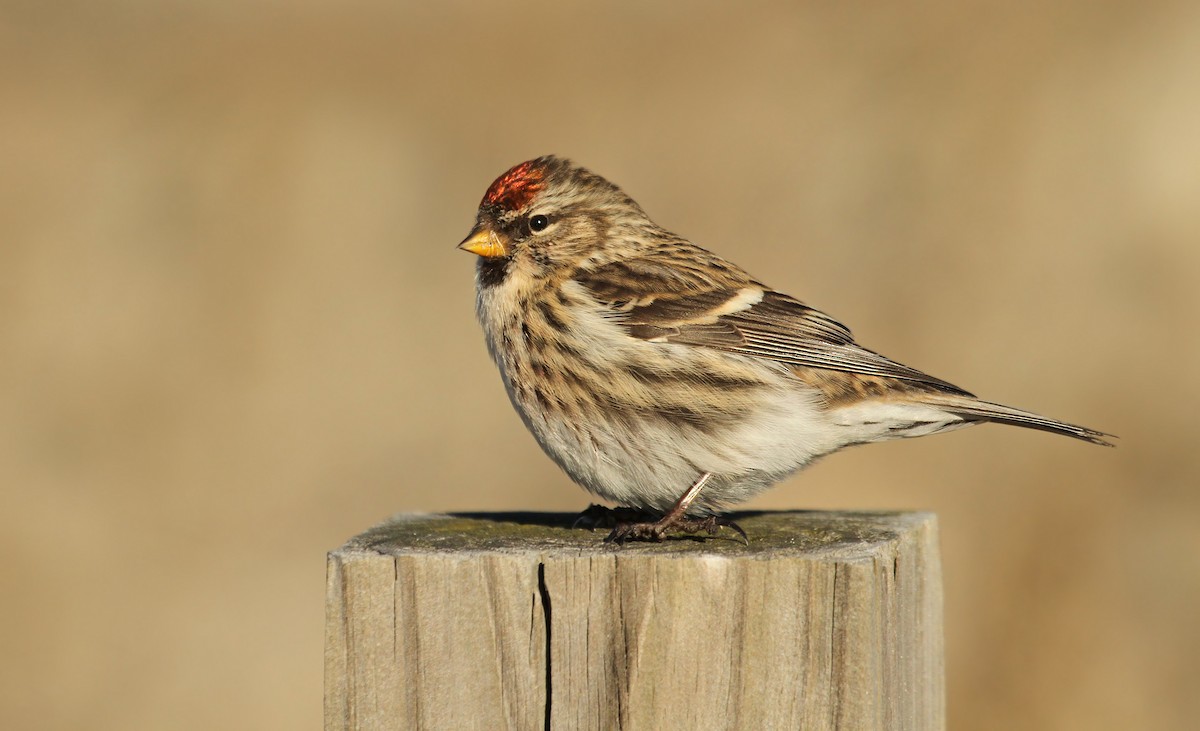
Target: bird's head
x,y
545,212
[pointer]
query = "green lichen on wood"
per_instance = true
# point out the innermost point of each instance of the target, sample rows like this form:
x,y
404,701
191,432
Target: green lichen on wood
x,y
773,533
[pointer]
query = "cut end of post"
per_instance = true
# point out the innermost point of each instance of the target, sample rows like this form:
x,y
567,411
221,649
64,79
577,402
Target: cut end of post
x,y
769,532
820,621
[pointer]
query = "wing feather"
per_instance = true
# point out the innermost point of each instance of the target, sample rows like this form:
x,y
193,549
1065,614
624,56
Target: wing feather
x,y
721,307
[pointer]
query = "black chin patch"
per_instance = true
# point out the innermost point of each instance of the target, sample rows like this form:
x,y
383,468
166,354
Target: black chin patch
x,y
493,270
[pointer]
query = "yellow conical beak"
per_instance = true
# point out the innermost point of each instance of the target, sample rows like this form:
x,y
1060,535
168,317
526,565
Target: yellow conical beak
x,y
485,242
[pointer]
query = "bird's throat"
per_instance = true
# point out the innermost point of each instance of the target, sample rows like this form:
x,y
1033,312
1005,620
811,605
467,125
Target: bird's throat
x,y
493,271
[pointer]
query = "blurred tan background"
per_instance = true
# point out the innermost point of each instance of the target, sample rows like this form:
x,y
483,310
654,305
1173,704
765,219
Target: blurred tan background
x,y
234,330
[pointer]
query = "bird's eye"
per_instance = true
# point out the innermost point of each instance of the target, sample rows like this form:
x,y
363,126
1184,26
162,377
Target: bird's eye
x,y
538,223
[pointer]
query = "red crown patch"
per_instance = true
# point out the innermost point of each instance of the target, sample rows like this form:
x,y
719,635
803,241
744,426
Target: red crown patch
x,y
512,190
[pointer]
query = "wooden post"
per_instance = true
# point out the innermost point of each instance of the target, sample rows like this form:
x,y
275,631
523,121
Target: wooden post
x,y
517,621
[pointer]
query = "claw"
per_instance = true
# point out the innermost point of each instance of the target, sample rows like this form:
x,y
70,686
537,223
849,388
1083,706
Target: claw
x,y
656,531
630,524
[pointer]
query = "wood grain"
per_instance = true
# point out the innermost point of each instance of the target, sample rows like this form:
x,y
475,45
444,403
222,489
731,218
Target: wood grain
x,y
487,621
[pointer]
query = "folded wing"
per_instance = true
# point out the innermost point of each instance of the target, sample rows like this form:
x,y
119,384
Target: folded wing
x,y
725,310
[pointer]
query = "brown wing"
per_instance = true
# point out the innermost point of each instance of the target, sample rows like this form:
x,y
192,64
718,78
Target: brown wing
x,y
714,305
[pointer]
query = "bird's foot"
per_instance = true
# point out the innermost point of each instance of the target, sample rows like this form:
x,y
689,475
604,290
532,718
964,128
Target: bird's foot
x,y
657,530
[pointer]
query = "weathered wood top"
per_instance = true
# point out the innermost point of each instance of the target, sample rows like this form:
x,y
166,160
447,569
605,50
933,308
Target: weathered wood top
x,y
517,620
838,535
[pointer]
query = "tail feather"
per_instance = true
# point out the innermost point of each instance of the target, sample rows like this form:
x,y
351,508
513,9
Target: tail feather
x,y
976,410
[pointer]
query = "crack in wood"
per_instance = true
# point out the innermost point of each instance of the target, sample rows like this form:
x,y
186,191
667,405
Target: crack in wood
x,y
544,592
834,698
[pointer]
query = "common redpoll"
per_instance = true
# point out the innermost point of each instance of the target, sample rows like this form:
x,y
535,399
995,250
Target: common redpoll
x,y
665,379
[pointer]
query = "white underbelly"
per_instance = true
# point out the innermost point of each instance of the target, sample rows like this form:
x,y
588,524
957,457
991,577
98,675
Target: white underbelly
x,y
648,463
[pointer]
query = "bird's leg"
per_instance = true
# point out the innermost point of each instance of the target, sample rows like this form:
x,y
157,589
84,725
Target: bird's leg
x,y
676,519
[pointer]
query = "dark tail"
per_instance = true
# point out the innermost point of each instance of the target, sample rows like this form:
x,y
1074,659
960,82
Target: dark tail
x,y
976,410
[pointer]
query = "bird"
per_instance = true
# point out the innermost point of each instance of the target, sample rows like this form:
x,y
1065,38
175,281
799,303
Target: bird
x,y
667,380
